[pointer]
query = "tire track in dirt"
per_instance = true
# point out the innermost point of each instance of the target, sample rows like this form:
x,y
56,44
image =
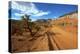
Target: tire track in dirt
x,y
61,40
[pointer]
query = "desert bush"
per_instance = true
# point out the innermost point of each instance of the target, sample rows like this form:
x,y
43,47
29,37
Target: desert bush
x,y
32,27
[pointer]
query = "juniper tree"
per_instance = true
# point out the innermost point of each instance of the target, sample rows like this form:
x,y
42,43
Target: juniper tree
x,y
26,23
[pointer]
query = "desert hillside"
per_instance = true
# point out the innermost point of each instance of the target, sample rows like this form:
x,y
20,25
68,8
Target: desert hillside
x,y
52,34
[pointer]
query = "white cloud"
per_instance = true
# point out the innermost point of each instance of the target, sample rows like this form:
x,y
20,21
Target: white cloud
x,y
29,9
17,14
42,13
17,6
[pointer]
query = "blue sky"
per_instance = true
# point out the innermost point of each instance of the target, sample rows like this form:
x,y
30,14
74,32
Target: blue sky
x,y
39,10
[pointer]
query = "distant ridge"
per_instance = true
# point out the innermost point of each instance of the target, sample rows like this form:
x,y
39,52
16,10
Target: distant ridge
x,y
69,13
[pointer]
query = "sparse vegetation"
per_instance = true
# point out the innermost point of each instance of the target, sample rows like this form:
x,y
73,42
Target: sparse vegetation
x,y
28,32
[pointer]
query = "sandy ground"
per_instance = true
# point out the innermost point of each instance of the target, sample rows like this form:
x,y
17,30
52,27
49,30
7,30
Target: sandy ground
x,y
60,41
52,38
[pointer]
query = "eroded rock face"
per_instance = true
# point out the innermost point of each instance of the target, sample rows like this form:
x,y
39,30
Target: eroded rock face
x,y
62,34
